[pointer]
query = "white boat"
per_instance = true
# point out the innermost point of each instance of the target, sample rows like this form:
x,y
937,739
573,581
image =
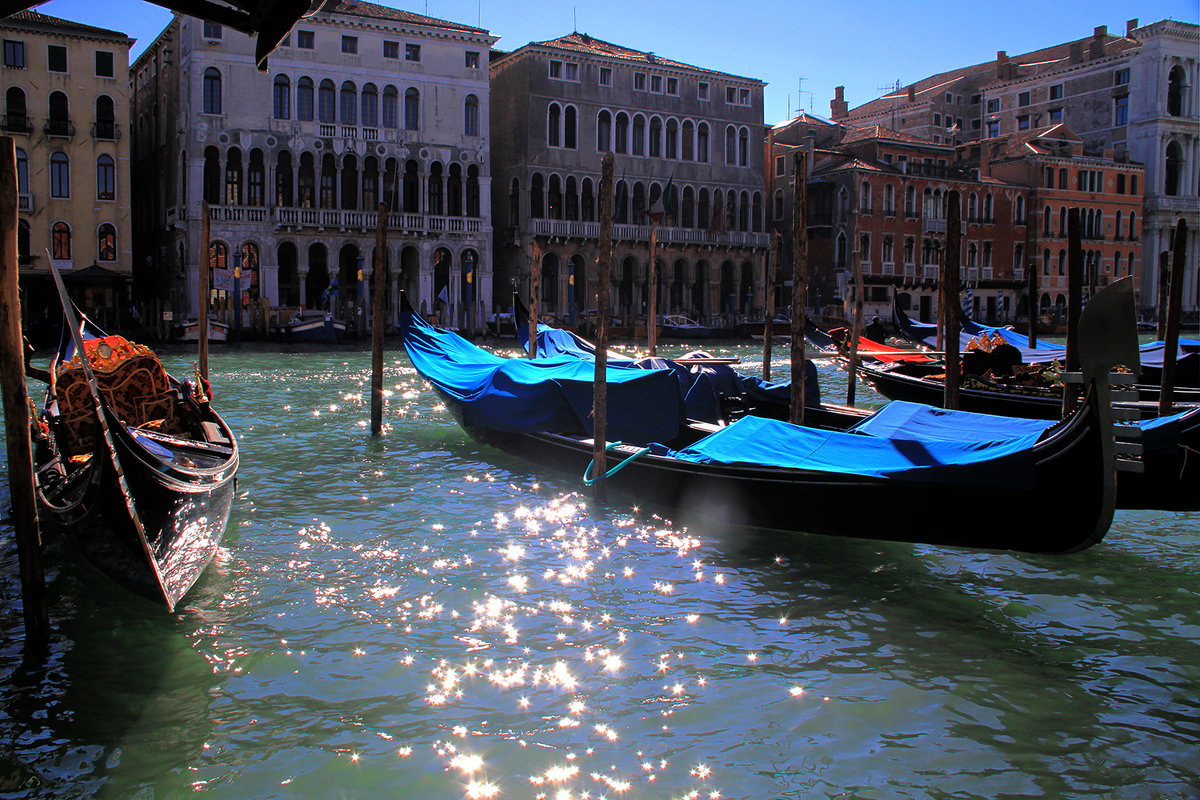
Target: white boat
x,y
190,330
314,325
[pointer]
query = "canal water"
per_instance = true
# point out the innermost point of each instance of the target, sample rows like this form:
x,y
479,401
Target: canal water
x,y
418,616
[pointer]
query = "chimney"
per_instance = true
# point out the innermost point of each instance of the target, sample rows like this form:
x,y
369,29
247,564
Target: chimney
x,y
1001,63
1096,49
1130,27
1076,52
838,107
912,94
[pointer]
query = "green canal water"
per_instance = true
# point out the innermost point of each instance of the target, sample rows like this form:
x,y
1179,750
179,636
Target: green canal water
x,y
421,617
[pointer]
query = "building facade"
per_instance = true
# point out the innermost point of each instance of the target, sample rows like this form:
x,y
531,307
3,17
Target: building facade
x,y
361,105
1132,96
66,102
688,163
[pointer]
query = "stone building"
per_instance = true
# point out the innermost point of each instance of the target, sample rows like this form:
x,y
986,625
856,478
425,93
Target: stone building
x,y
360,105
687,144
1130,95
66,101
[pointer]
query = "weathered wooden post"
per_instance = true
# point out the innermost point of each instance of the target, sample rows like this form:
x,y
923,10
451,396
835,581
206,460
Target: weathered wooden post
x,y
1033,304
202,290
799,284
1074,300
1164,293
535,284
950,299
604,265
1174,311
16,411
652,307
856,325
772,256
379,288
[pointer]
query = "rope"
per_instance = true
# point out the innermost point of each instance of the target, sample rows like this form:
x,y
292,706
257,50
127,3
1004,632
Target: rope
x,y
589,481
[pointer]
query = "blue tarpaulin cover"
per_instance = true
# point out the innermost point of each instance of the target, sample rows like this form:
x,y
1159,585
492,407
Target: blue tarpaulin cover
x,y
1005,464
551,394
904,420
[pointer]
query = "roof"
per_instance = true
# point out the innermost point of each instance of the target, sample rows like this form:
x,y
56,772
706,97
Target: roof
x,y
36,19
861,133
1037,62
584,44
356,8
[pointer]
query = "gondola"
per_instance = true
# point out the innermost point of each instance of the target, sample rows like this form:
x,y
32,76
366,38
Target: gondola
x,y
768,473
132,466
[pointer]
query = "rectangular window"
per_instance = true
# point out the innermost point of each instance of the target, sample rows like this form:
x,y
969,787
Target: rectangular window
x,y
606,76
656,84
1056,115
1023,99
937,120
471,61
730,94
391,49
1121,110
993,105
639,81
993,129
412,52
350,44
1121,77
56,58
14,54
570,71
672,85
211,30
1121,183
306,40
702,91
1056,91
556,69
976,99
104,64
1023,122
949,97
780,166
744,97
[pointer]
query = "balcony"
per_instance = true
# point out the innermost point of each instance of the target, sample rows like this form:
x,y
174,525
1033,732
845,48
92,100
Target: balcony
x,y
364,222
63,128
910,272
16,123
929,272
889,267
641,233
106,130
24,201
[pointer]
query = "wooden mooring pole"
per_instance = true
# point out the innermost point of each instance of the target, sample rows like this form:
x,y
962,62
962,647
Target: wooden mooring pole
x,y
856,326
652,307
799,284
950,298
1164,293
202,290
772,257
604,268
379,289
16,412
1174,311
1033,304
1074,300
535,289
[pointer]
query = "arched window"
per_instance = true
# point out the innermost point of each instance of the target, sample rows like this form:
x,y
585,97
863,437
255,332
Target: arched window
x,y
987,208
656,132
283,179
622,132
702,142
370,184
972,207
777,205
412,110
412,185
60,241
212,91
328,181
553,121
554,204
1175,91
1133,234
326,102
744,147
703,211
454,191
59,123
106,178
730,146
1020,213
304,99
687,209
1046,262
60,175
436,191
672,148
233,177
281,97
15,110
106,120
349,187
106,243
473,206
256,180
688,149
349,105
471,116
212,175
569,127
588,201
1174,170
22,172
307,181
639,136
536,193
370,105
603,132
756,219
864,197
390,108
889,200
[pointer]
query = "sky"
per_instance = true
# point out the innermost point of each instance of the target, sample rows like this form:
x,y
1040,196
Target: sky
x,y
802,50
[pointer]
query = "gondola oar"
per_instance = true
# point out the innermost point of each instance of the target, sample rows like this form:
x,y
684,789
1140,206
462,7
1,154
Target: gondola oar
x,y
77,336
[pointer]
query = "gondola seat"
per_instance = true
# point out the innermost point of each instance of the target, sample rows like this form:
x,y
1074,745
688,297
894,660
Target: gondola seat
x,y
132,382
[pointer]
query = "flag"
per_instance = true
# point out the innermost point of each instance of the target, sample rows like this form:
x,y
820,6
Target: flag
x,y
664,204
967,304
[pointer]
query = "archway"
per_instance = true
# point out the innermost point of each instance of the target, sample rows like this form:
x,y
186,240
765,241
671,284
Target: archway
x,y
316,283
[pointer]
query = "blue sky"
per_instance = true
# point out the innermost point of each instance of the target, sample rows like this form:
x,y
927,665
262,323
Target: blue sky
x,y
802,50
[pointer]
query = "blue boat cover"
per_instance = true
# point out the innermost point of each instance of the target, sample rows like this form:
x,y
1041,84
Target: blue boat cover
x,y
542,395
900,419
755,441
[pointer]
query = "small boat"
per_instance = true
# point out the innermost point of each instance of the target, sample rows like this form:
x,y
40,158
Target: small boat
x,y
189,331
768,473
781,328
314,325
133,466
677,326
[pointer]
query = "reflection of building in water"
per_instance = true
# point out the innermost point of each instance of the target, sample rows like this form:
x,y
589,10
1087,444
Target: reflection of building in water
x,y
362,105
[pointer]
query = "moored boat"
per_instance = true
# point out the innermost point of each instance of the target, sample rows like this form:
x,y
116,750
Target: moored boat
x,y
314,325
189,331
